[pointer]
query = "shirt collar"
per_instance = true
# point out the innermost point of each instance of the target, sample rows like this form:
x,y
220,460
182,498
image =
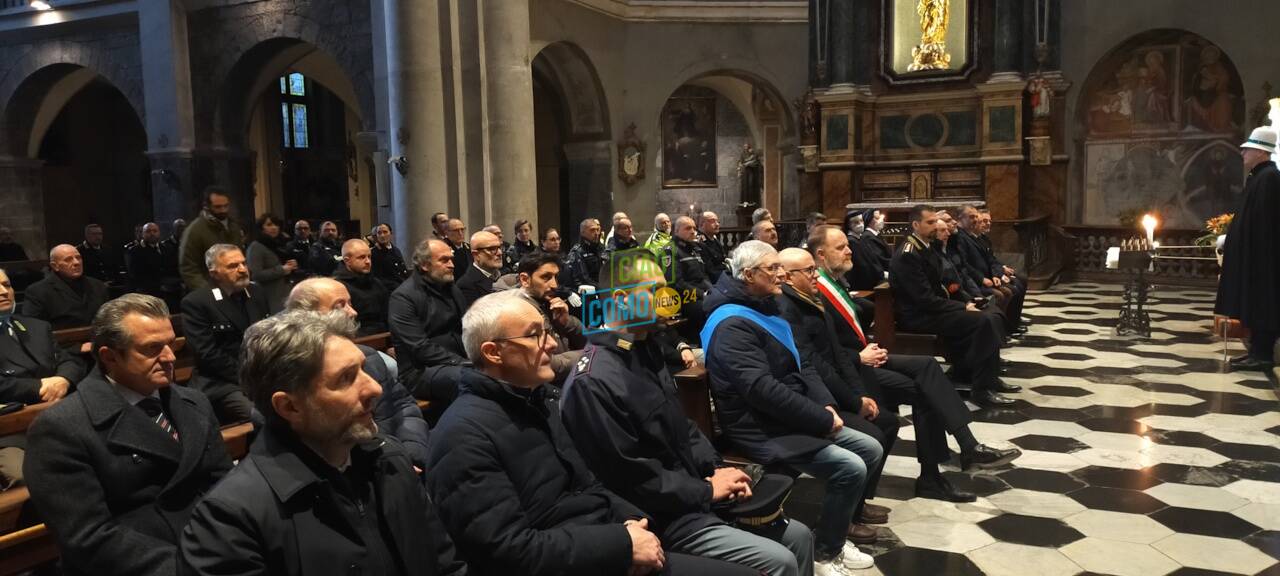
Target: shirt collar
x,y
130,396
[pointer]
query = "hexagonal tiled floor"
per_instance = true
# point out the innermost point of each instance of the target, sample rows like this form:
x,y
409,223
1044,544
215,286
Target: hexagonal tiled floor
x,y
1139,457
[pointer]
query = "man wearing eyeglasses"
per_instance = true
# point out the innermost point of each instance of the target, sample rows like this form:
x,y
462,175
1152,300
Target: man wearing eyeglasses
x,y
486,266
510,486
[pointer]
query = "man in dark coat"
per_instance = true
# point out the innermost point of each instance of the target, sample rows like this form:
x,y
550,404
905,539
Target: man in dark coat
x,y
33,368
66,297
871,254
299,248
776,409
214,321
714,255
116,468
510,486
992,277
426,327
486,266
396,412
322,491
621,239
621,407
326,252
1250,285
99,262
455,234
582,265
923,305
153,269
388,262
368,296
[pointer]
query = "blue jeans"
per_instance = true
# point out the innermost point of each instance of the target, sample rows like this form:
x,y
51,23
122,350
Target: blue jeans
x,y
844,465
793,556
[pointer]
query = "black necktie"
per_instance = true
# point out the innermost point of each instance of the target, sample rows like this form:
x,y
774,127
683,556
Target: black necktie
x,y
151,405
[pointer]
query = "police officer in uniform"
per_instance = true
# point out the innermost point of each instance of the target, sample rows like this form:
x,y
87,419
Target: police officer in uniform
x,y
923,305
582,266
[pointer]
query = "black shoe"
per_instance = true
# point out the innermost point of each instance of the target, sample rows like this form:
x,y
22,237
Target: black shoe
x,y
1251,364
1239,359
990,399
986,457
1002,386
938,488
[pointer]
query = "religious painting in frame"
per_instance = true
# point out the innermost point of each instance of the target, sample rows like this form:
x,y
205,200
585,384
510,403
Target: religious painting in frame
x,y
689,142
928,40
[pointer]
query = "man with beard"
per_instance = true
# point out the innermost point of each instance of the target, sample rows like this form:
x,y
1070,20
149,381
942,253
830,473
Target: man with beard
x,y
582,266
66,297
895,379
214,321
326,252
537,276
426,327
368,295
714,255
1250,279
116,468
659,243
922,304
213,226
486,265
322,490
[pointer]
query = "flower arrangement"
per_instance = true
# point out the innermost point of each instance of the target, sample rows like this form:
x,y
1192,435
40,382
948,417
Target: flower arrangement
x,y
1215,227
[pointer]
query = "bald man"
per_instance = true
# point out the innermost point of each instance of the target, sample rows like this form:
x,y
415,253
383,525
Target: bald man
x,y
486,266
368,295
65,297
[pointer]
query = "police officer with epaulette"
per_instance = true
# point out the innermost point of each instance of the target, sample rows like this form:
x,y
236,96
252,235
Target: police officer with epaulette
x,y
621,408
582,266
922,304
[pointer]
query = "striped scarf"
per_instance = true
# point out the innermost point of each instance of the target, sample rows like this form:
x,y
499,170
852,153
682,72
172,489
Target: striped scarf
x,y
841,302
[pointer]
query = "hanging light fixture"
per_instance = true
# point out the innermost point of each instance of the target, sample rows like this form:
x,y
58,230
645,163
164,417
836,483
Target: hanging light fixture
x,y
41,5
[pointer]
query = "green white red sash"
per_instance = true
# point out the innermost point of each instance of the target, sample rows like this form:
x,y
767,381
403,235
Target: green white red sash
x,y
840,300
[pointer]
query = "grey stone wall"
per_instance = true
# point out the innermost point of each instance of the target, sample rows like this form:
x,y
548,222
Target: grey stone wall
x,y
731,133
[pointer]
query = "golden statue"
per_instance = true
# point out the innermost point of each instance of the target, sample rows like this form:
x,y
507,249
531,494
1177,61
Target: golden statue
x,y
931,54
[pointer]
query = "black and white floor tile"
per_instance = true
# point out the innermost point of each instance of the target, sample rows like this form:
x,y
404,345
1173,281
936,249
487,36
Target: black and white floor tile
x,y
1140,458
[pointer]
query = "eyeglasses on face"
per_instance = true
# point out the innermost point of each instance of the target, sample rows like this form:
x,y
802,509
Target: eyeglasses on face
x,y
809,271
539,335
488,249
772,268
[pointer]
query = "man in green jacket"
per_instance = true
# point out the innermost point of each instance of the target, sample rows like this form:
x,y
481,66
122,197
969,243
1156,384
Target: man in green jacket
x,y
213,226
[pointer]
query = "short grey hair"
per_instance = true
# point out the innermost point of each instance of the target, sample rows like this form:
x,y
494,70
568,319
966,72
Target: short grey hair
x,y
306,294
215,252
587,223
748,255
285,352
658,218
108,323
422,252
483,321
761,214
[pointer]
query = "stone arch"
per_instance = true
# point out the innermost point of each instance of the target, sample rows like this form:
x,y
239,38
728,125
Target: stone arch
x,y
1147,110
24,88
575,155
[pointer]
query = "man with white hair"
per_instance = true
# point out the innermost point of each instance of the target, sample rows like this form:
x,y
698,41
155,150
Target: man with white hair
x,y
659,243
426,326
486,266
775,408
214,320
713,250
1250,274
509,484
323,490
395,412
582,265
66,297
617,217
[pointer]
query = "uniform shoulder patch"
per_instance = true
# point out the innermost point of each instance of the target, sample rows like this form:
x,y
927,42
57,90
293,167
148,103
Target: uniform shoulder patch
x,y
584,362
909,247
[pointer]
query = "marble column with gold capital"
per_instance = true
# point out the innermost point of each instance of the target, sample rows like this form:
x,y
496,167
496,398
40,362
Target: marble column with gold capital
x,y
511,187
416,134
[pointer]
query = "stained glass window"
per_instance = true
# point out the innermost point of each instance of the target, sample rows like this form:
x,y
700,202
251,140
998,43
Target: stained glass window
x,y
287,131
297,86
300,126
293,111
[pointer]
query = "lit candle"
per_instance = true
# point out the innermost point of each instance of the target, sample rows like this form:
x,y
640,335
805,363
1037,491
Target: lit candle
x,y
1149,222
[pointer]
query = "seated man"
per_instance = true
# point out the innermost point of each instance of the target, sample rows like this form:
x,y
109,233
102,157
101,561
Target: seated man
x,y
33,369
116,468
960,286
368,296
322,491
148,265
510,486
486,265
776,409
923,305
327,252
899,378
426,327
621,408
99,262
66,297
214,320
537,274
765,231
980,265
395,412
871,264
582,265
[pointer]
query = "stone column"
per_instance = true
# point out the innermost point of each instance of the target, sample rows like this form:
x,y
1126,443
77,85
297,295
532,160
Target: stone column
x,y
1008,46
512,187
419,174
819,70
841,42
166,75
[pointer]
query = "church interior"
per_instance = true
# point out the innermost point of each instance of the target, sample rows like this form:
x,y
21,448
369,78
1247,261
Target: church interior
x,y
1103,139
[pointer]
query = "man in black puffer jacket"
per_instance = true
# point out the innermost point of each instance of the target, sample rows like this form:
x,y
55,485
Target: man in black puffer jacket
x,y
510,486
368,296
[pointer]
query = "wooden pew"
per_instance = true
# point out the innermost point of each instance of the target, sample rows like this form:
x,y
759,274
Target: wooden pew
x,y
695,397
380,342
888,336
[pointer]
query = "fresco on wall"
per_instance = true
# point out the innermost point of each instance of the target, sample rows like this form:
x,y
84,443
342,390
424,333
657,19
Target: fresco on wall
x,y
1164,113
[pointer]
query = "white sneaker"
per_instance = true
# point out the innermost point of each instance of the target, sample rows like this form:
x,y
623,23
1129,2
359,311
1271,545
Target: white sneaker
x,y
854,559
